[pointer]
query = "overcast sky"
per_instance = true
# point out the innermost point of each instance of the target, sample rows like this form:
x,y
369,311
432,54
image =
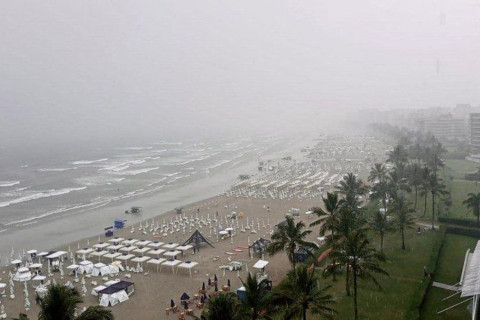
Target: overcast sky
x,y
70,68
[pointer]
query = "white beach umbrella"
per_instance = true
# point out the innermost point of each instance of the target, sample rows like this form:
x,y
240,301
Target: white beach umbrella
x,y
48,268
84,290
12,291
61,270
76,276
83,281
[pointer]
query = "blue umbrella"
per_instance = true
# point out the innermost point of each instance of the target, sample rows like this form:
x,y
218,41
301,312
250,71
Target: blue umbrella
x,y
172,304
184,296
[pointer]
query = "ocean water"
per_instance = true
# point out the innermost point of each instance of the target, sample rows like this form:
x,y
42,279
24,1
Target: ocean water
x,y
41,189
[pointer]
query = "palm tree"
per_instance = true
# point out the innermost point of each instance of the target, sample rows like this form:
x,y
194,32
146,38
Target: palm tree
x,y
404,218
256,295
326,217
300,291
425,187
437,188
362,259
348,221
415,178
380,224
398,156
381,191
473,203
288,237
352,186
396,183
60,303
378,173
225,306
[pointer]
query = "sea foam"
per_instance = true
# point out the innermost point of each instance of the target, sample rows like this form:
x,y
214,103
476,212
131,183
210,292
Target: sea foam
x,y
8,183
39,195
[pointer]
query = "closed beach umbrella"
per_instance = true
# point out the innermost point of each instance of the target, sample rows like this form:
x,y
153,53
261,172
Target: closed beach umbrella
x,y
216,287
204,296
202,299
184,296
172,304
27,304
209,282
203,286
215,277
228,283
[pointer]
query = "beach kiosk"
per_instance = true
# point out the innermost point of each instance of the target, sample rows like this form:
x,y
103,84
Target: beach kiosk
x,y
260,265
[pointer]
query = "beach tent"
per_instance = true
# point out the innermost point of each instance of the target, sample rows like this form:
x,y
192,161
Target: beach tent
x,y
302,254
85,266
100,269
260,246
196,238
116,293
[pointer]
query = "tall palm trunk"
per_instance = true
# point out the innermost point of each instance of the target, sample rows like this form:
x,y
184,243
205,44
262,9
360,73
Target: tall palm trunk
x,y
347,281
425,206
402,230
334,262
381,242
355,303
433,210
416,197
304,313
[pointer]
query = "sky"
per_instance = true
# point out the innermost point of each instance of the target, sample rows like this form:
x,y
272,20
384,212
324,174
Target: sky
x,y
83,70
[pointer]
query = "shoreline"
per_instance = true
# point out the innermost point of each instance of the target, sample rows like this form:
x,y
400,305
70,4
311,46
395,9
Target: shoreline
x,y
59,229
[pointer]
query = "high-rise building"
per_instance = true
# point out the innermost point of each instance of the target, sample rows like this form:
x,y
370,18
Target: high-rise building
x,y
475,133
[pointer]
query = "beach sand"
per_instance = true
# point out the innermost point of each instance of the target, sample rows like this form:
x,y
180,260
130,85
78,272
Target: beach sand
x,y
154,291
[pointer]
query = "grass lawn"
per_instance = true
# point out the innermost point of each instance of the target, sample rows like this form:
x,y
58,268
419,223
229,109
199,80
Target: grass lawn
x,y
406,272
458,187
459,168
448,271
